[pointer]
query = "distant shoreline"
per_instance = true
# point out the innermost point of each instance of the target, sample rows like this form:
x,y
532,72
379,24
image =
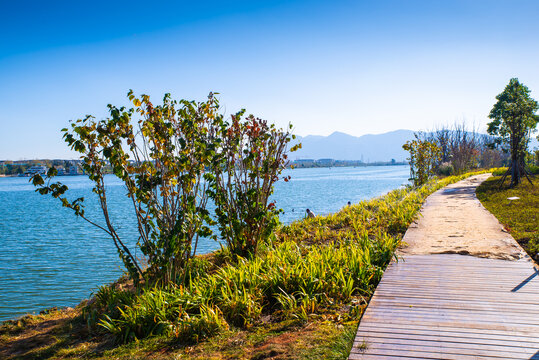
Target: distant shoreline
x,y
291,166
296,164
328,163
24,176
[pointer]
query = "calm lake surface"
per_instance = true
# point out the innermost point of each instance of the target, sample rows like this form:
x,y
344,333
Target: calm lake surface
x,y
49,258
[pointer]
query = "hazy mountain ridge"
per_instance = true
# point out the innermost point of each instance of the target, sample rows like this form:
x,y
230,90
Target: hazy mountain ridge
x,y
341,146
368,148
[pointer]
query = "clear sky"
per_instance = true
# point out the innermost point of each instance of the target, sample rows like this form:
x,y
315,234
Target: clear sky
x,y
352,66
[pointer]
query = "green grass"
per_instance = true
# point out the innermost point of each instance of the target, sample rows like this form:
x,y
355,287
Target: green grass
x,y
301,297
533,169
520,217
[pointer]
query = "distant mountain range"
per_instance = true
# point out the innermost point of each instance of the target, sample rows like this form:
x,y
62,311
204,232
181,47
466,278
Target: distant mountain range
x,y
368,148
341,146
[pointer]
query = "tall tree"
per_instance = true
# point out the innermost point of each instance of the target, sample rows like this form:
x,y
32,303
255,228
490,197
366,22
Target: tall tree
x,y
513,120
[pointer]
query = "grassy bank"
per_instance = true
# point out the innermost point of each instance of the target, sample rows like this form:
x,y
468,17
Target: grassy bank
x,y
519,217
301,297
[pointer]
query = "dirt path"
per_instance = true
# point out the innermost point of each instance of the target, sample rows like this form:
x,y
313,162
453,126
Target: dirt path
x,y
453,221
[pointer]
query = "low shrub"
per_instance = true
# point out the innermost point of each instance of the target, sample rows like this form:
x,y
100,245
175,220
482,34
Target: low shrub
x,y
446,169
150,313
192,329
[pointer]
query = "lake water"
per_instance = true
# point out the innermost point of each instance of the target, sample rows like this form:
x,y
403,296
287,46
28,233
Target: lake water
x,y
48,257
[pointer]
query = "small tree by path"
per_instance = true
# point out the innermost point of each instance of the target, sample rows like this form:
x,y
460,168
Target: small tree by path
x,y
424,155
513,120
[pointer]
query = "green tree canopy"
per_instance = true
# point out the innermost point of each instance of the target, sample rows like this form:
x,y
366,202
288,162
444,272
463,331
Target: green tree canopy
x,y
513,120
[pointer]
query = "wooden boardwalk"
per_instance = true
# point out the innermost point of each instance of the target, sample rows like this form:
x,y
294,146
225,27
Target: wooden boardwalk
x,y
449,306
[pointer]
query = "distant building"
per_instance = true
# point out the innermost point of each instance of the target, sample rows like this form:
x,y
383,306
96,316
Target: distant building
x,y
61,170
37,169
73,170
325,162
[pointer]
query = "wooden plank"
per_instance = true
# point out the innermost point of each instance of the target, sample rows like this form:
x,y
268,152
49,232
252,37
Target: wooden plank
x,y
379,357
422,301
454,304
490,294
446,274
451,314
464,262
501,289
485,281
453,264
514,267
455,324
449,331
509,301
452,307
473,279
457,342
453,320
464,282
449,274
364,356
429,257
429,297
448,352
456,258
475,338
468,260
454,315
487,351
410,352
508,297
461,261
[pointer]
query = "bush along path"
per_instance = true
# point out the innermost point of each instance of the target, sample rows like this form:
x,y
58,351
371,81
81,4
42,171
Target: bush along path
x,y
300,296
438,302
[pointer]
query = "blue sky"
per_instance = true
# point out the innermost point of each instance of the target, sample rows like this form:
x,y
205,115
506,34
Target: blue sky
x,y
352,66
